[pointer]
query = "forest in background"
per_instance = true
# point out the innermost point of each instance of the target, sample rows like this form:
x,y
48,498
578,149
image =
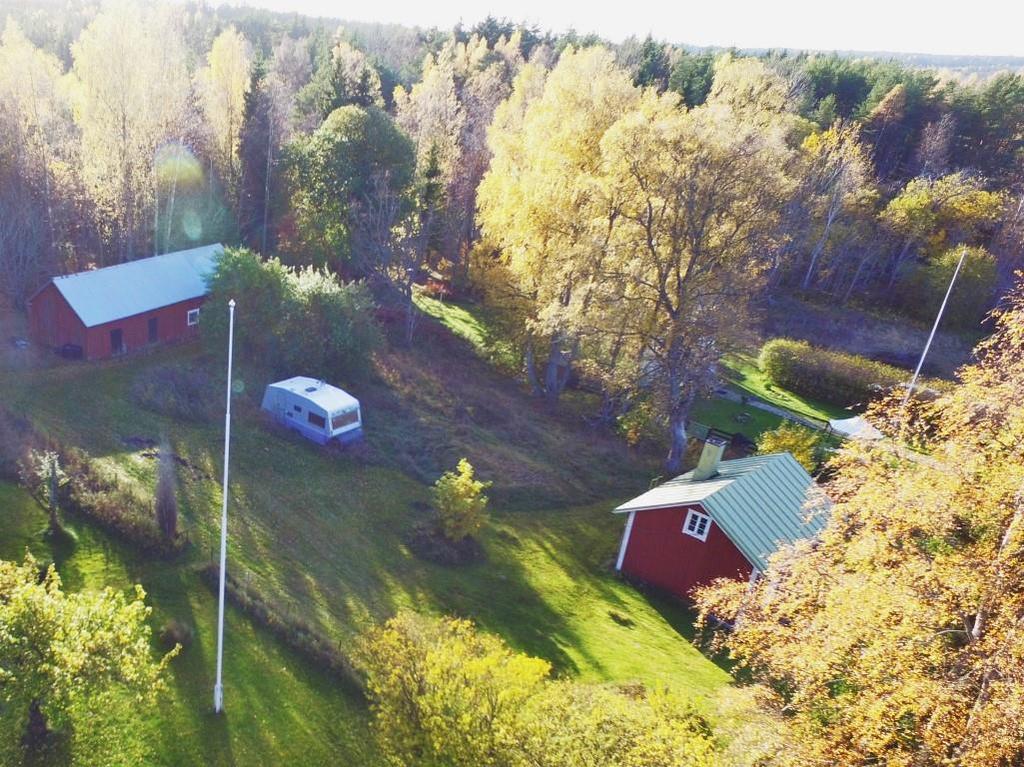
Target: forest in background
x,y
622,211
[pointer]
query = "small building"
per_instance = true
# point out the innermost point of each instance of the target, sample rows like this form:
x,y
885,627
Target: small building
x,y
723,519
118,309
317,410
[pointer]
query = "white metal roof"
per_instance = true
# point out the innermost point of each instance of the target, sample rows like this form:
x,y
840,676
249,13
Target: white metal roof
x,y
855,428
759,502
124,290
330,398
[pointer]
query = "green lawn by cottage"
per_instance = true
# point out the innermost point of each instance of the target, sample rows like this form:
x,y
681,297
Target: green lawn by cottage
x,y
321,535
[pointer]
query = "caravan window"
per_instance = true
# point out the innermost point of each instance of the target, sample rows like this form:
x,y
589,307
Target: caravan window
x,y
317,420
340,420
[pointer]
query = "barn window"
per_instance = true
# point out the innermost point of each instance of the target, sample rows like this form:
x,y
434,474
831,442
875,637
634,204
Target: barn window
x,y
316,420
193,317
697,525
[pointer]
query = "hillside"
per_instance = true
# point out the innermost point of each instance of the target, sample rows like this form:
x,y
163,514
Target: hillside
x,y
321,536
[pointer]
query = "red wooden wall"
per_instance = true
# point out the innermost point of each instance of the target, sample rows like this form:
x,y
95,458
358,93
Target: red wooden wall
x,y
660,553
54,323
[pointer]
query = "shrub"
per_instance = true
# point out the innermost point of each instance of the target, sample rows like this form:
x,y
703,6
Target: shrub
x,y
460,502
830,376
187,393
290,321
803,443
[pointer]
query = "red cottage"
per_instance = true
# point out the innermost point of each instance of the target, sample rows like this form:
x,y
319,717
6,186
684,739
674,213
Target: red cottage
x,y
721,520
111,311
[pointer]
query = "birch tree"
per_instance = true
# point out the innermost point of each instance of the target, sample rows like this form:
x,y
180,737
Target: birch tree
x,y
223,85
132,92
539,202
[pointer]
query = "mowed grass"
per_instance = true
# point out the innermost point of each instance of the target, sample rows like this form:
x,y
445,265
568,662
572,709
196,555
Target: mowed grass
x,y
280,709
322,536
744,373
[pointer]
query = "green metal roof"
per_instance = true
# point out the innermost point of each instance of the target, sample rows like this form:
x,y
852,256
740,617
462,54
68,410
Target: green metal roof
x,y
759,502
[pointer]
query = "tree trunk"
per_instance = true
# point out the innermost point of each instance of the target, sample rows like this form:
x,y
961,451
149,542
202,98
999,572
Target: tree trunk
x,y
556,375
37,729
677,418
531,369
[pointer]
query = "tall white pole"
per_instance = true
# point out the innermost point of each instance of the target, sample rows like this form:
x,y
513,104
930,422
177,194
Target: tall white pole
x,y
218,687
938,318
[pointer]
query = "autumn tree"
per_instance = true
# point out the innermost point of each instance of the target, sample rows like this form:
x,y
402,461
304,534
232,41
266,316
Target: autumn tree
x,y
132,93
698,203
223,84
930,215
36,138
896,637
59,650
460,502
444,693
802,443
539,203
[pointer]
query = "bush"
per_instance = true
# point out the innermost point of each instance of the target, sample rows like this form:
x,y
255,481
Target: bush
x,y
290,321
830,376
171,390
460,502
804,444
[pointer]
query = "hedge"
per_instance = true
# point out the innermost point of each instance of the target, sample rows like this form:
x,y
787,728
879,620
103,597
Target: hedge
x,y
830,376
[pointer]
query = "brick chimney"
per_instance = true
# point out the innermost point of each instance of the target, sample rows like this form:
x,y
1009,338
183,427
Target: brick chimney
x,y
710,456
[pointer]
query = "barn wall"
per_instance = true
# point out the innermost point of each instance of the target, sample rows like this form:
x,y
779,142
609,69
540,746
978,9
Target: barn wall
x,y
660,553
52,321
172,325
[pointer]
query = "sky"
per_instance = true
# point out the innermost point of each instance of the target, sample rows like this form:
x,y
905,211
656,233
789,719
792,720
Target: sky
x,y
971,27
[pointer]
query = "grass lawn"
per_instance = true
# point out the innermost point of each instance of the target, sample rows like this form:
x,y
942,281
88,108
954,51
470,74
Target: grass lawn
x,y
469,322
734,417
279,708
744,373
322,536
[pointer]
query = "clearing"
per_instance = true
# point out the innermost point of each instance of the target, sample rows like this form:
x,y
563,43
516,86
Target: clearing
x,y
321,535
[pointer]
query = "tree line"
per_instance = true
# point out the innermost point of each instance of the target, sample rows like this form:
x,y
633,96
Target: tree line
x,y
624,211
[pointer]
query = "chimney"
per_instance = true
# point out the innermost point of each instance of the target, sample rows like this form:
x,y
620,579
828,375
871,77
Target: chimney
x,y
707,466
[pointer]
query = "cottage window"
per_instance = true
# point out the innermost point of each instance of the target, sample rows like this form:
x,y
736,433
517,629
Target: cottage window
x,y
193,317
697,525
317,420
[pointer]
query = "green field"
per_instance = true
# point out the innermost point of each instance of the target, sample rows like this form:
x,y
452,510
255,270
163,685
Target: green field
x,y
321,535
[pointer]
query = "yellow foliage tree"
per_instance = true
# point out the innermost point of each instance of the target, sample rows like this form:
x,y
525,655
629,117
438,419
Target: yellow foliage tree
x,y
898,636
803,443
443,693
223,85
460,502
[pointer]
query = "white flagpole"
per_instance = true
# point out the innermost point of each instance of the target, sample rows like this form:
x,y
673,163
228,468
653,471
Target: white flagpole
x,y
938,317
218,687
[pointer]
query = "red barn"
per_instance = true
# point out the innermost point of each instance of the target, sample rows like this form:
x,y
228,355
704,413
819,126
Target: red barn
x,y
112,311
721,520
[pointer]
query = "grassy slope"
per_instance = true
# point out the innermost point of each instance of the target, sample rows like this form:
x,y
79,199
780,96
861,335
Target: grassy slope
x,y
322,535
280,708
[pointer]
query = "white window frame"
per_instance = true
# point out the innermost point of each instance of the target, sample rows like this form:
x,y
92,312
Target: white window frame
x,y
697,517
192,318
